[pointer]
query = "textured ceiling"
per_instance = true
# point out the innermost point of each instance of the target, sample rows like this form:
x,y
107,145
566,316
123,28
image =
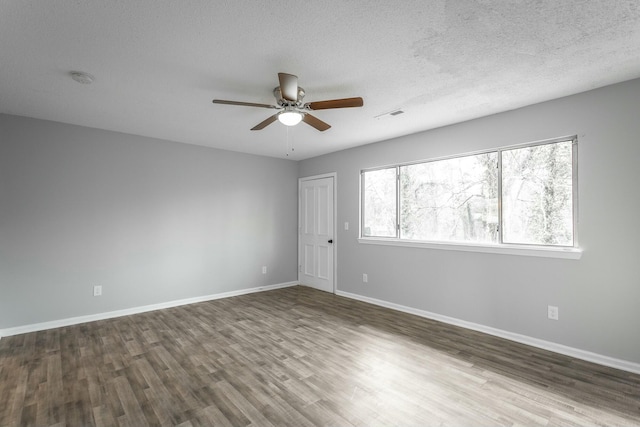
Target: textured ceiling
x,y
159,63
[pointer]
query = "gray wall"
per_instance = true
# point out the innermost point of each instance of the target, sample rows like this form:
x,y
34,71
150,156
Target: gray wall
x,y
150,220
598,295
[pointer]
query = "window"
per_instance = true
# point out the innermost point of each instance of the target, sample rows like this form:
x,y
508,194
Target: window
x,y
450,200
514,196
537,195
379,203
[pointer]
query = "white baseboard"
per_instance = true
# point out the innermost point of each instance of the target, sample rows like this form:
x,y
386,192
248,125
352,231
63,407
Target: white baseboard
x,y
135,310
523,339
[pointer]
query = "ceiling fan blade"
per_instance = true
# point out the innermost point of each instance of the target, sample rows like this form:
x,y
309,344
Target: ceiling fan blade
x,y
315,122
263,124
244,104
288,86
336,103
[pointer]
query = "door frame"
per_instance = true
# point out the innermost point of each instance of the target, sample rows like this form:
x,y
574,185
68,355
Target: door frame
x,y
333,175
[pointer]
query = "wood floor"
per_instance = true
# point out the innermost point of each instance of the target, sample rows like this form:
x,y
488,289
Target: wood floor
x,y
297,357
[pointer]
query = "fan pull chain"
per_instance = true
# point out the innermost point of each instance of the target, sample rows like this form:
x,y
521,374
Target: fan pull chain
x,y
289,147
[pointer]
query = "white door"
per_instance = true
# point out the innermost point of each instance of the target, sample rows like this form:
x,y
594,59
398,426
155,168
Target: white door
x,y
315,258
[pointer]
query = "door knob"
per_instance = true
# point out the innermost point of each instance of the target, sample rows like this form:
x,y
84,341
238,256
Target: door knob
x,y
330,241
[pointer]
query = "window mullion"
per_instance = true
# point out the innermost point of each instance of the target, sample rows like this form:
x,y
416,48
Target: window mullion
x,y
500,226
397,202
574,189
363,178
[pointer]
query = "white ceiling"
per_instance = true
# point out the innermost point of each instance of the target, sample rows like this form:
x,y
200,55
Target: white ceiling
x,y
159,63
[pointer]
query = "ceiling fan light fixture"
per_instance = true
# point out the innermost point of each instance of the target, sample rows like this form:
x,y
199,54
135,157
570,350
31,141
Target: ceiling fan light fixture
x,y
290,117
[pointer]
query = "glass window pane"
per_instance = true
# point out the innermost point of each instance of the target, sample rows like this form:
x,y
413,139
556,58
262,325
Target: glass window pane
x,y
537,195
450,200
379,203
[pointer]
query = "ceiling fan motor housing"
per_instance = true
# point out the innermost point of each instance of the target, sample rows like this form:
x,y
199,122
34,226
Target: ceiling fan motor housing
x,y
277,93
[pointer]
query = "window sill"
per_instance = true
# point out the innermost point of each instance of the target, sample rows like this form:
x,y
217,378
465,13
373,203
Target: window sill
x,y
522,250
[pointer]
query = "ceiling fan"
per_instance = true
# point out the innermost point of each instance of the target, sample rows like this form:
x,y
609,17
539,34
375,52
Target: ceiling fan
x,y
291,108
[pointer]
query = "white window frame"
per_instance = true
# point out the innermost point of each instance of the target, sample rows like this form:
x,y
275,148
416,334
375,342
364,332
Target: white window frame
x,y
565,252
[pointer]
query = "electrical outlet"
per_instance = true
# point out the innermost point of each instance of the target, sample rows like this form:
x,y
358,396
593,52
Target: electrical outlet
x,y
264,269
97,291
552,312
365,278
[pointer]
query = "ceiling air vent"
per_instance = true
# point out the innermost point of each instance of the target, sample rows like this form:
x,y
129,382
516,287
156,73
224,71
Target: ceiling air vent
x,y
390,113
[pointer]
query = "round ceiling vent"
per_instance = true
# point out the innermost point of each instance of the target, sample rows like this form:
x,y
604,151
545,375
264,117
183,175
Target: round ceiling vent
x,y
81,77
